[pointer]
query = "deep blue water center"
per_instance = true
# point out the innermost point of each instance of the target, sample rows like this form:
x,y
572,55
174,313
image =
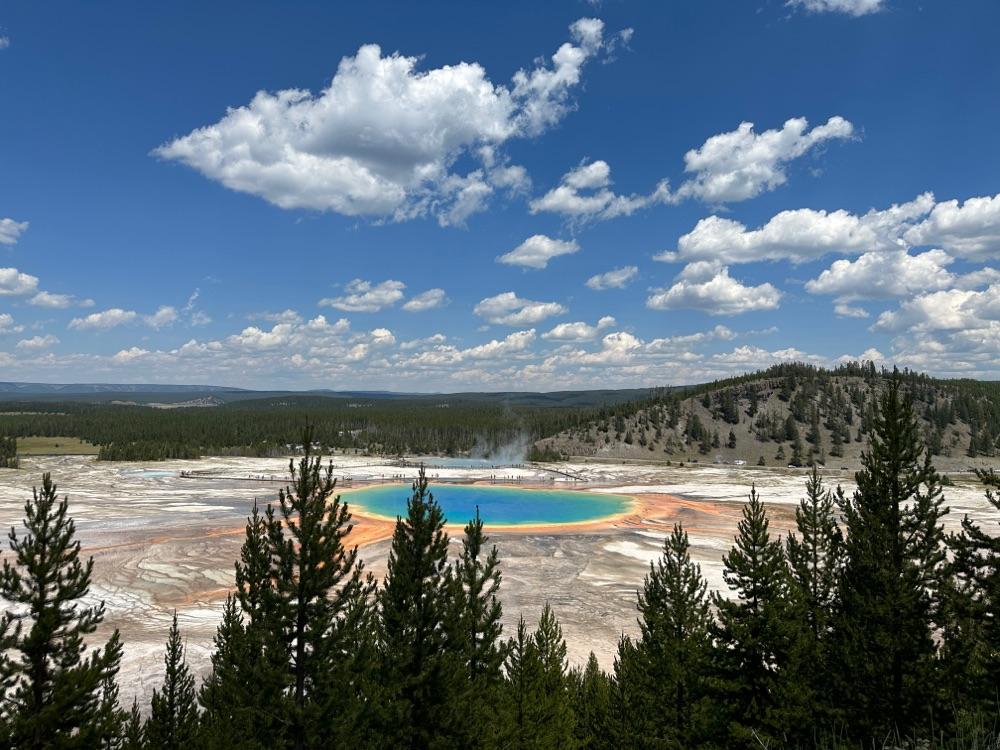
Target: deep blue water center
x,y
499,506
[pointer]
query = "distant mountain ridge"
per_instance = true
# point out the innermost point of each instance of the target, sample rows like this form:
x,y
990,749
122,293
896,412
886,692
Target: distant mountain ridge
x,y
159,393
32,389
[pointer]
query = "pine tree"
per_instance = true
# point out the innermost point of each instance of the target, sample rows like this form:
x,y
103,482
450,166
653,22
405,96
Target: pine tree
x,y
243,695
418,658
883,632
133,736
227,695
972,634
317,583
173,710
57,692
756,635
673,651
537,698
591,702
477,632
815,561
815,556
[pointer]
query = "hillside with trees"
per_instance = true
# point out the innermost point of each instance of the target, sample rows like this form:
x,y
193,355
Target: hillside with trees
x,y
789,414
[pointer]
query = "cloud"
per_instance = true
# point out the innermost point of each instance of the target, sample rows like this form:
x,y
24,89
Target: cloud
x,y
38,342
381,140
253,337
4,42
756,358
850,7
513,343
742,164
433,340
708,287
104,320
843,310
799,235
894,273
509,309
948,310
578,331
537,251
363,296
164,316
7,324
10,230
130,355
971,229
428,300
58,301
616,278
285,316
584,194
15,283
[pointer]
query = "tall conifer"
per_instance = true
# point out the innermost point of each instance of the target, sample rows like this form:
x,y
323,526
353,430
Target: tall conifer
x,y
173,710
57,692
316,582
673,649
418,650
756,636
894,559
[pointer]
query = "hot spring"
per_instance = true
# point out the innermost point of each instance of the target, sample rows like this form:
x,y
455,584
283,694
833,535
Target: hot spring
x,y
498,505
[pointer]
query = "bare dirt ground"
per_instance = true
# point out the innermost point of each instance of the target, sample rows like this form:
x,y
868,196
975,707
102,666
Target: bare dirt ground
x,y
162,542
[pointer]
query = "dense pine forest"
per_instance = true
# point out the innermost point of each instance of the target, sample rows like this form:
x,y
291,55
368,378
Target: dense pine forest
x,y
868,627
789,414
445,426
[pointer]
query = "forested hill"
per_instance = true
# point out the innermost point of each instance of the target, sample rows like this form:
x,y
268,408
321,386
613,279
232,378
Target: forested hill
x,y
790,414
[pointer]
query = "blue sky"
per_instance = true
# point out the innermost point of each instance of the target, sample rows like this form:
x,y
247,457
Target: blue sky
x,y
442,196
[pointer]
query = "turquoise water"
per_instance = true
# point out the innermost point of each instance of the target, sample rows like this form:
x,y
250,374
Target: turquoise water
x,y
499,506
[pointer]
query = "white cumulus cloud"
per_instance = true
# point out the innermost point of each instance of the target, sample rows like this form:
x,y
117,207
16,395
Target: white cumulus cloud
x,y
970,229
363,296
742,164
584,194
104,320
10,230
709,287
799,235
382,139
537,251
850,7
895,273
579,331
164,316
14,283
38,342
509,309
616,278
55,301
426,301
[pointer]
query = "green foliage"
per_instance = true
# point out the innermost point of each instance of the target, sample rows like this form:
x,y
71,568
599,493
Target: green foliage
x,y
57,692
8,452
757,636
475,620
883,633
669,691
537,693
173,710
416,644
317,586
